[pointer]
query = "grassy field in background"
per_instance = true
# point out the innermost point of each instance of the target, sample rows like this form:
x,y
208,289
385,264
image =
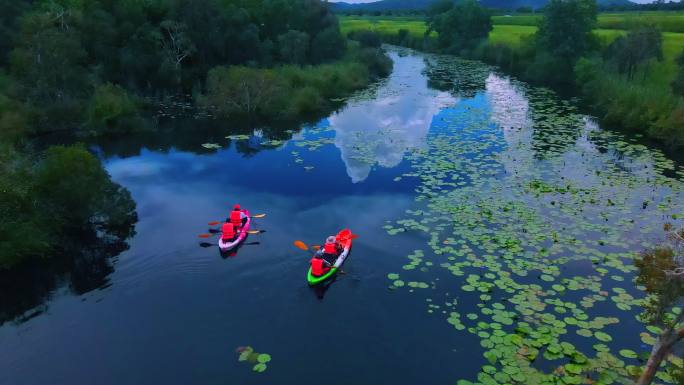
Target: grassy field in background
x,y
383,25
511,34
666,21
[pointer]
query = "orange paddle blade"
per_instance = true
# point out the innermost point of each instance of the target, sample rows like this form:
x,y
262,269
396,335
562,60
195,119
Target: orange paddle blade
x,y
301,245
214,223
258,216
204,235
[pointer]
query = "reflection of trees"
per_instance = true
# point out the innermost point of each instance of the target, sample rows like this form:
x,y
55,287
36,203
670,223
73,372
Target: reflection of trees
x,y
63,221
83,264
188,133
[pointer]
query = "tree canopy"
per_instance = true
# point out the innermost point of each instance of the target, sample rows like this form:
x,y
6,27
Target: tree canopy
x,y
460,26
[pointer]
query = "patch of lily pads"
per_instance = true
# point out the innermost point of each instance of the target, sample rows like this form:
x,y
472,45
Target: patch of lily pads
x,y
537,213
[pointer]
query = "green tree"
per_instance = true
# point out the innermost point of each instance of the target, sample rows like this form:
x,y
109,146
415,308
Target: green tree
x,y
11,10
462,27
638,47
293,47
661,272
678,83
176,45
566,28
24,232
51,202
49,63
241,90
327,45
368,38
110,105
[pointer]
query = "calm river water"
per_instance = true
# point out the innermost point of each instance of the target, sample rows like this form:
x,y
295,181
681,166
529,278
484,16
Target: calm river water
x,y
485,208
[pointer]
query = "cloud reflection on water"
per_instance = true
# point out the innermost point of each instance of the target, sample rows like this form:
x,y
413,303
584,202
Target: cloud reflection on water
x,y
381,130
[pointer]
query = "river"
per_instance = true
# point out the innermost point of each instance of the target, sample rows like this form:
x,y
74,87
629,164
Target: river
x,y
482,205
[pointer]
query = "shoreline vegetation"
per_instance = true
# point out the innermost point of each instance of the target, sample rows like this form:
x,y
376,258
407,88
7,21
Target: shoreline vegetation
x,y
648,99
89,69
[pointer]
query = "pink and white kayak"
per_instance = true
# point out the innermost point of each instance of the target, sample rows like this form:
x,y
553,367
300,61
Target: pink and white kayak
x,y
242,234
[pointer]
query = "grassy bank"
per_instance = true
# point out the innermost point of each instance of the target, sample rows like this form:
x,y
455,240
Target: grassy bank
x,y
644,103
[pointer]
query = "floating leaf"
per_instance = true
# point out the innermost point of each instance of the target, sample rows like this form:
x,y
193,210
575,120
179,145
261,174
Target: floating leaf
x,y
260,367
264,358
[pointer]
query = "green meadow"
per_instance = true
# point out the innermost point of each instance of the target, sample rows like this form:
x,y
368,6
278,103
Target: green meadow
x,y
509,30
387,25
666,21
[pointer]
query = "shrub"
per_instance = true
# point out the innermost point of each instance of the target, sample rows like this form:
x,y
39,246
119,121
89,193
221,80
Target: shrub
x,y
305,101
241,90
678,82
366,38
110,106
640,107
378,64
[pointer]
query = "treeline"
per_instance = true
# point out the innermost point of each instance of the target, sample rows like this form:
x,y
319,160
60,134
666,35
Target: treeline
x,y
615,78
658,5
633,7
95,67
90,63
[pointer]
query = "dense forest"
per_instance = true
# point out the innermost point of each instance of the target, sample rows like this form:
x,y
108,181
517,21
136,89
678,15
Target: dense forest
x,y
89,68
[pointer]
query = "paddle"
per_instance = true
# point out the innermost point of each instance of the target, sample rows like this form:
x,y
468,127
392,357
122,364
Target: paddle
x,y
208,235
207,244
303,246
214,223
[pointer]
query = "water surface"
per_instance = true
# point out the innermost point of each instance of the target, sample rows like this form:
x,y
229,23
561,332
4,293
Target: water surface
x,y
479,172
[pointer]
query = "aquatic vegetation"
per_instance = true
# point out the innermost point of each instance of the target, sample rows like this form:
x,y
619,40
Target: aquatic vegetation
x,y
536,214
260,360
211,146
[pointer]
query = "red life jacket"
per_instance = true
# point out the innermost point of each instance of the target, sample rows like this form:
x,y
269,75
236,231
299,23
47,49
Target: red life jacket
x,y
330,248
228,231
235,218
318,267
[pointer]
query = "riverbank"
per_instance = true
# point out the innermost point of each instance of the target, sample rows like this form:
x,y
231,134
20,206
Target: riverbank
x,y
645,104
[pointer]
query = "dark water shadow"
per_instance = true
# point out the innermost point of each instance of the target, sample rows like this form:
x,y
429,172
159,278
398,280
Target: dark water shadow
x,y
82,265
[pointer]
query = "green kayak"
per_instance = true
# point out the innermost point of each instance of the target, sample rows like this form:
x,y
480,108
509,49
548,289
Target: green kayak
x,y
344,237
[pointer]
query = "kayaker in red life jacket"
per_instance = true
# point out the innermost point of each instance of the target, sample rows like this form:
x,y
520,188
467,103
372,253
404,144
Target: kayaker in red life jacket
x,y
237,217
228,231
319,266
331,248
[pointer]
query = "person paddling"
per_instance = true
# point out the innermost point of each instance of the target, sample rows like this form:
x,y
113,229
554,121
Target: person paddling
x,y
319,266
331,249
228,232
237,217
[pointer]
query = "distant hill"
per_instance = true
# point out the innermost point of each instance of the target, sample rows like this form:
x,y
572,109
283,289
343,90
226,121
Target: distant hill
x,y
387,5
